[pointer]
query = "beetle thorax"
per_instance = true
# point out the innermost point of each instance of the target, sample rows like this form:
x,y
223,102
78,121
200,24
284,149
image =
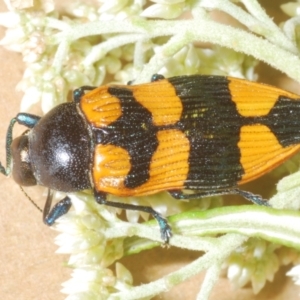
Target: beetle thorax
x,y
59,150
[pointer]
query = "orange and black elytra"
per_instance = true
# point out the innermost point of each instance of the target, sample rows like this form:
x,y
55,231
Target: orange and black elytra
x,y
208,134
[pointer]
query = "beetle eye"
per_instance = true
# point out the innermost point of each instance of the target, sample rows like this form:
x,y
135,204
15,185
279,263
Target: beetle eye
x,y
21,171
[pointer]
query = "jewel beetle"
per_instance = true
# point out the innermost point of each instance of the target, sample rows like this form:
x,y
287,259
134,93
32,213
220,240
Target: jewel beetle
x,y
207,134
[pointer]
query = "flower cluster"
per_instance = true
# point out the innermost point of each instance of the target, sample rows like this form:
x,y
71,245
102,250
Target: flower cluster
x,y
83,236
255,262
91,60
123,40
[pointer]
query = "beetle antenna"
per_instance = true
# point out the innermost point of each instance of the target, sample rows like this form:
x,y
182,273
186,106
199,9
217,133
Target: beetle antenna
x,y
6,171
25,119
27,196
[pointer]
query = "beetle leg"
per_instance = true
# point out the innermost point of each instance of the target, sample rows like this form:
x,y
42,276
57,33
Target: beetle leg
x,y
154,77
58,210
180,195
157,77
257,199
165,228
78,93
28,120
130,82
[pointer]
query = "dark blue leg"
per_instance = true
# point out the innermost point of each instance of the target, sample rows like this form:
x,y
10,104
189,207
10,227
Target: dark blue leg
x,y
165,229
78,93
257,199
58,210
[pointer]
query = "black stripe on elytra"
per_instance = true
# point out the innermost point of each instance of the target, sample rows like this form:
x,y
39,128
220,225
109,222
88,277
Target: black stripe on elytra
x,y
133,131
211,123
283,120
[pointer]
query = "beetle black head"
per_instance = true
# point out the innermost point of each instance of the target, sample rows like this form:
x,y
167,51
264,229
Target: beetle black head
x,y
21,171
54,153
17,151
